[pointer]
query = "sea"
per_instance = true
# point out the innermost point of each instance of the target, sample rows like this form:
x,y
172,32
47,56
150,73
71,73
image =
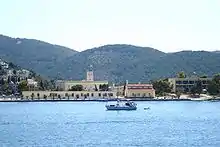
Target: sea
x,y
88,124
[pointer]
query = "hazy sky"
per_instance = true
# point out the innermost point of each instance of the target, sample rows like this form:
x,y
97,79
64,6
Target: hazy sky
x,y
167,25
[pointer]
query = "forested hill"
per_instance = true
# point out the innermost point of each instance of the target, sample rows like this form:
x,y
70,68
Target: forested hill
x,y
116,62
33,54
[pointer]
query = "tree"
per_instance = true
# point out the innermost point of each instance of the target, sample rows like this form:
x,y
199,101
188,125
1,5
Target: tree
x,y
214,85
197,88
96,89
67,95
45,97
41,85
2,81
59,96
162,86
9,79
103,87
213,88
203,76
76,88
19,79
181,75
216,78
38,95
11,65
32,96
14,72
22,86
13,79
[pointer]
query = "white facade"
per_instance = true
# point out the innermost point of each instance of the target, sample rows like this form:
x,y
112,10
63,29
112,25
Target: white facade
x,y
31,82
87,85
89,76
69,94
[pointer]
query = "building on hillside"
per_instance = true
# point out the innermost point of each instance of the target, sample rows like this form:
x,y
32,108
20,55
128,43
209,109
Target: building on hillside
x,y
9,72
186,84
32,84
88,85
23,74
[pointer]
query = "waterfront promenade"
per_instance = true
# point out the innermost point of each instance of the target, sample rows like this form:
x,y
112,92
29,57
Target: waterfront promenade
x,y
104,100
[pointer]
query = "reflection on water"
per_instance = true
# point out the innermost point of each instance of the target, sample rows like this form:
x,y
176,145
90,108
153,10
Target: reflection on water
x,y
89,124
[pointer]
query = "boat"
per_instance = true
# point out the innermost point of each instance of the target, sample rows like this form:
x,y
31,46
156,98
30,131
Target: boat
x,y
128,105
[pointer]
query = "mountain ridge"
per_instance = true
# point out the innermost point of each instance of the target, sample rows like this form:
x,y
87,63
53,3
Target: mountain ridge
x,y
113,62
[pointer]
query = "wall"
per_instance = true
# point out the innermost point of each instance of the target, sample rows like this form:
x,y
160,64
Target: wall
x,y
88,85
71,94
140,93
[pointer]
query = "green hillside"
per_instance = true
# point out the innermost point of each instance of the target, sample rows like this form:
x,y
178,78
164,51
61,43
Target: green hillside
x,y
111,62
33,54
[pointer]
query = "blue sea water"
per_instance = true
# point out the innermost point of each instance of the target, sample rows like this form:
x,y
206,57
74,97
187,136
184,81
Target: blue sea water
x,y
88,124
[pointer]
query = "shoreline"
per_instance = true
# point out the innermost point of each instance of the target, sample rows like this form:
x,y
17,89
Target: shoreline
x,y
102,100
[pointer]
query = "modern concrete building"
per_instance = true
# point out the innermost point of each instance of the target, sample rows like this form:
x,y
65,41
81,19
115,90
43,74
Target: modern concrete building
x,y
185,84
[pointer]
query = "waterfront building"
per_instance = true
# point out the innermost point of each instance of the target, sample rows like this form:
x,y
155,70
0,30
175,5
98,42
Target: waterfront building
x,y
88,85
186,84
135,90
68,94
140,90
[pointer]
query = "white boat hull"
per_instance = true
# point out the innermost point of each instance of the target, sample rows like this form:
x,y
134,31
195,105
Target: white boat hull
x,y
113,107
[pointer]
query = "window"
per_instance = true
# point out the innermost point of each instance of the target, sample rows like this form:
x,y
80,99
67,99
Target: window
x,y
204,82
191,82
185,82
99,94
87,94
81,94
92,94
178,82
72,94
110,94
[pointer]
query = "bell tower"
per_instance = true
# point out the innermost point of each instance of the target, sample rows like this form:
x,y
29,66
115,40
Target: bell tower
x,y
89,74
